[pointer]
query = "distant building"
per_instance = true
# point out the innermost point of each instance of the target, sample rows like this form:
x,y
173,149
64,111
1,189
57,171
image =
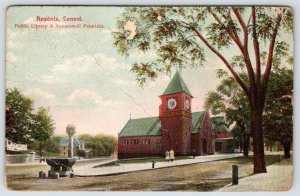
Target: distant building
x,y
63,143
222,133
175,128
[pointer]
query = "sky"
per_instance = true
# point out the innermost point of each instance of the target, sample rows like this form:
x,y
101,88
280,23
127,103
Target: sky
x,y
79,75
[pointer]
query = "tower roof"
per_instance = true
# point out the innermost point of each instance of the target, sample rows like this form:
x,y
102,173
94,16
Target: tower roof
x,y
176,85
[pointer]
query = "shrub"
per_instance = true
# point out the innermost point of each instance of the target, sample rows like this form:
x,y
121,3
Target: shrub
x,y
81,153
229,145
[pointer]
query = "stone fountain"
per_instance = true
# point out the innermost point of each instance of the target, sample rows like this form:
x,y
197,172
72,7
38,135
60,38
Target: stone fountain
x,y
62,167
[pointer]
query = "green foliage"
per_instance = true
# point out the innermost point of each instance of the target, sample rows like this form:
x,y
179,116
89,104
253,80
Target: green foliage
x,y
81,153
23,125
57,138
229,100
42,128
52,146
174,34
229,145
43,125
19,107
101,145
278,117
105,144
49,145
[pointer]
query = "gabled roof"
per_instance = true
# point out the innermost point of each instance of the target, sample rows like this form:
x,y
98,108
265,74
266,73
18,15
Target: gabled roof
x,y
142,127
197,120
151,126
65,142
176,85
219,125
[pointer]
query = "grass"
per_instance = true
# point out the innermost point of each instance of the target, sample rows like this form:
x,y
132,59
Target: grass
x,y
109,164
51,154
270,159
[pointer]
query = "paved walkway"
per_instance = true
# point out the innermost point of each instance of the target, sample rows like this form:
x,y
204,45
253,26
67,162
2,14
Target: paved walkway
x,y
278,178
88,170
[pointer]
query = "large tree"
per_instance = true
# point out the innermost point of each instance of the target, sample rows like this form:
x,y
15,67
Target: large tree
x,y
180,35
18,116
42,127
229,100
278,115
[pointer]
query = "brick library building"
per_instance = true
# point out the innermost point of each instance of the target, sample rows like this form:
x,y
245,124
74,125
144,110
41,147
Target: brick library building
x,y
175,128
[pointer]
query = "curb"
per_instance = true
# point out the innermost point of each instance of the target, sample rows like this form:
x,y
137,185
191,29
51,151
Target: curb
x,y
126,172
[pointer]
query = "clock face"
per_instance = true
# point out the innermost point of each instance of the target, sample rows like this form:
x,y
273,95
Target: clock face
x,y
171,103
187,104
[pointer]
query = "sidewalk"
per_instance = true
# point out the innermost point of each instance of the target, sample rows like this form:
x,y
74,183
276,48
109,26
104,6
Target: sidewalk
x,y
278,178
88,170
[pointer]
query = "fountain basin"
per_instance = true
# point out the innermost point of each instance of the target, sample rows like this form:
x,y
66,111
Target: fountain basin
x,y
62,166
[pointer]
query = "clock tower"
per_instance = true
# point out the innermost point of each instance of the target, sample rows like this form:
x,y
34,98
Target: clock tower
x,y
176,118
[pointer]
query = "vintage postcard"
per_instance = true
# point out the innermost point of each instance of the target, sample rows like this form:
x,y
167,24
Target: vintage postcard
x,y
165,98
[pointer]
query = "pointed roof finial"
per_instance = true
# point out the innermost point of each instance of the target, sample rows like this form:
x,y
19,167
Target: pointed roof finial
x,y
176,85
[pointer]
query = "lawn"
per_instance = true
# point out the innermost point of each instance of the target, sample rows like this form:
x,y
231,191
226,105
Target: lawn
x,y
207,176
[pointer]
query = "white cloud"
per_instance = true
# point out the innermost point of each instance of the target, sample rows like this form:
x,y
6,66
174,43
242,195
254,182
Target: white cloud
x,y
77,64
84,93
50,79
105,35
162,80
41,94
123,82
14,38
15,34
139,55
86,63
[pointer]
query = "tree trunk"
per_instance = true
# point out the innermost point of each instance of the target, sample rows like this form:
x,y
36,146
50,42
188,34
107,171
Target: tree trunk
x,y
258,139
40,151
246,144
287,149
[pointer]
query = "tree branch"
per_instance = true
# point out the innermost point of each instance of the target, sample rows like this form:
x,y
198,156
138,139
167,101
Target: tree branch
x,y
233,36
242,23
236,76
256,49
270,56
245,51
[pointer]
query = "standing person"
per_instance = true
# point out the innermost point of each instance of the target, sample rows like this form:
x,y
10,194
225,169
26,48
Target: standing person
x,y
172,155
194,153
167,156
